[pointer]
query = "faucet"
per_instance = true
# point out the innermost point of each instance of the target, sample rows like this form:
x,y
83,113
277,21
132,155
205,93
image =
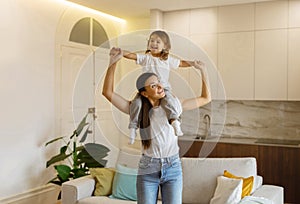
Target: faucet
x,y
207,127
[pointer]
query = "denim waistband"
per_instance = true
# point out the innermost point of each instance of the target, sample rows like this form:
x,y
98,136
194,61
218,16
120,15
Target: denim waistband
x,y
162,160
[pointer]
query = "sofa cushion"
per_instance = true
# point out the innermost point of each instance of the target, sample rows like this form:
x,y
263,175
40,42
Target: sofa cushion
x,y
124,184
271,192
104,180
255,200
247,182
228,191
200,175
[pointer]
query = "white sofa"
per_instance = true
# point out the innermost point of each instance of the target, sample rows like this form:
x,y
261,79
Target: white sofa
x,y
199,181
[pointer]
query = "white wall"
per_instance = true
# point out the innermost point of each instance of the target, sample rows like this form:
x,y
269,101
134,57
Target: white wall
x,y
136,24
28,30
27,77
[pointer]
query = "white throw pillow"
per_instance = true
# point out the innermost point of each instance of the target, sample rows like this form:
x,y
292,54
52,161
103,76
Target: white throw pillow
x,y
228,191
255,200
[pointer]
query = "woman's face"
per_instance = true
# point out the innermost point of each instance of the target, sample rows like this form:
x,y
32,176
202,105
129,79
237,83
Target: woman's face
x,y
154,89
155,45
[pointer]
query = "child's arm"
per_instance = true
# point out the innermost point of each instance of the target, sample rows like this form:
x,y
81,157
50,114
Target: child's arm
x,y
129,55
185,63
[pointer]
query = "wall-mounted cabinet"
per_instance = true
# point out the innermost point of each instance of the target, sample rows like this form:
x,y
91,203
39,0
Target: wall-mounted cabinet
x,y
255,51
236,66
271,65
294,64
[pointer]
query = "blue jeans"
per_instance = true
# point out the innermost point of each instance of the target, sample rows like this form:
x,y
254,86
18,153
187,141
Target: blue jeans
x,y
165,173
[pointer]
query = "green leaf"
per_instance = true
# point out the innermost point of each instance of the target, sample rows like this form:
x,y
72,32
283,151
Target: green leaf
x,y
95,149
74,134
63,171
54,140
63,149
81,125
57,158
80,148
79,172
84,136
92,155
86,157
94,164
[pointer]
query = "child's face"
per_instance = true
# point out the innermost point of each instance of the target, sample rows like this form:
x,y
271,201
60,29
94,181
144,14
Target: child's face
x,y
156,45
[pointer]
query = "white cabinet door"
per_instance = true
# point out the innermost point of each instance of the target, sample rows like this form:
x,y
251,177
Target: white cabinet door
x,y
294,65
271,65
236,66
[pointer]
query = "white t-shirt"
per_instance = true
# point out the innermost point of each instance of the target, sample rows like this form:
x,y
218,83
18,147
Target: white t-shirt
x,y
164,141
158,66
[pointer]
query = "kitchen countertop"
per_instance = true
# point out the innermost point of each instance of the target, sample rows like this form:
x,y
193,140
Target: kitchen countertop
x,y
248,141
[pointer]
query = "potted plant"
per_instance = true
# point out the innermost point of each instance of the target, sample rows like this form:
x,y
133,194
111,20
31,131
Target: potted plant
x,y
81,156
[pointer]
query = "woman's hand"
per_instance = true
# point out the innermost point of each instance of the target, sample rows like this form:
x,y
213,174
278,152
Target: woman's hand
x,y
115,55
198,64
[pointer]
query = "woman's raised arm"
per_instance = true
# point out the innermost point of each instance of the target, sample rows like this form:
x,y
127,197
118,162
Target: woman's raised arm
x,y
205,97
108,87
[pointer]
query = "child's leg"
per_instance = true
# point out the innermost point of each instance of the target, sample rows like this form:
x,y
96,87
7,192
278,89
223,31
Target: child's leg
x,y
173,109
134,112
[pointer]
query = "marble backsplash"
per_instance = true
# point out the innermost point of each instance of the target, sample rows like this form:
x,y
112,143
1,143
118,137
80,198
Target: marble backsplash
x,y
246,119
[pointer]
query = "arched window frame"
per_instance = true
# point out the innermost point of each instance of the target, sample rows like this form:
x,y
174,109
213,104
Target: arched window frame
x,y
90,32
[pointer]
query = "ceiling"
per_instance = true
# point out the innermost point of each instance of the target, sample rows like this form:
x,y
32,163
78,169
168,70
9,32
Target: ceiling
x,y
128,9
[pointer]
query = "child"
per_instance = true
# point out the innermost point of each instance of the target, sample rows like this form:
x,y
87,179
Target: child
x,y
157,60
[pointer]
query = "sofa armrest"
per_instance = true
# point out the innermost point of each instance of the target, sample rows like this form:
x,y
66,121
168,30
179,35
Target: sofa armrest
x,y
258,181
76,189
271,192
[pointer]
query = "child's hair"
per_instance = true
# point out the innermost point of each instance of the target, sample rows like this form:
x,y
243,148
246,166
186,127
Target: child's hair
x,y
144,113
166,40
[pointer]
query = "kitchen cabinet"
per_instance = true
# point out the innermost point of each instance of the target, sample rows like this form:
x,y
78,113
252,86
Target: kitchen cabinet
x,y
278,165
294,64
255,51
236,65
271,65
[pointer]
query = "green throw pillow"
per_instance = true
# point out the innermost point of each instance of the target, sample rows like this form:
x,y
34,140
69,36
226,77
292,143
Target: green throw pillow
x,y
124,184
104,180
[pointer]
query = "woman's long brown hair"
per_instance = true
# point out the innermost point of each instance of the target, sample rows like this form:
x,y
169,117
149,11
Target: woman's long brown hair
x,y
145,111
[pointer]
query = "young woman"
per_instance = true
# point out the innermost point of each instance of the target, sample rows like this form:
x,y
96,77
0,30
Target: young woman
x,y
160,163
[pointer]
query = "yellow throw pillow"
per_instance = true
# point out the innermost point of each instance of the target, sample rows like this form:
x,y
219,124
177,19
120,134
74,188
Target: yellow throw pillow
x,y
104,179
247,183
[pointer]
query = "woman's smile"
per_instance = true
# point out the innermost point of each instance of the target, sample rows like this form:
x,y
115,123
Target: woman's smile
x,y
160,92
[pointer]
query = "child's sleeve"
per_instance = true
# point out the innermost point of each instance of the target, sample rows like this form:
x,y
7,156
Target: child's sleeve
x,y
174,62
141,59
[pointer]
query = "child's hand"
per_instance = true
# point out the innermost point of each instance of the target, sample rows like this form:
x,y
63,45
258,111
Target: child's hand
x,y
115,55
198,64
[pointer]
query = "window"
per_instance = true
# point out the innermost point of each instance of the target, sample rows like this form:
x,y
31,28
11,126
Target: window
x,y
89,31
